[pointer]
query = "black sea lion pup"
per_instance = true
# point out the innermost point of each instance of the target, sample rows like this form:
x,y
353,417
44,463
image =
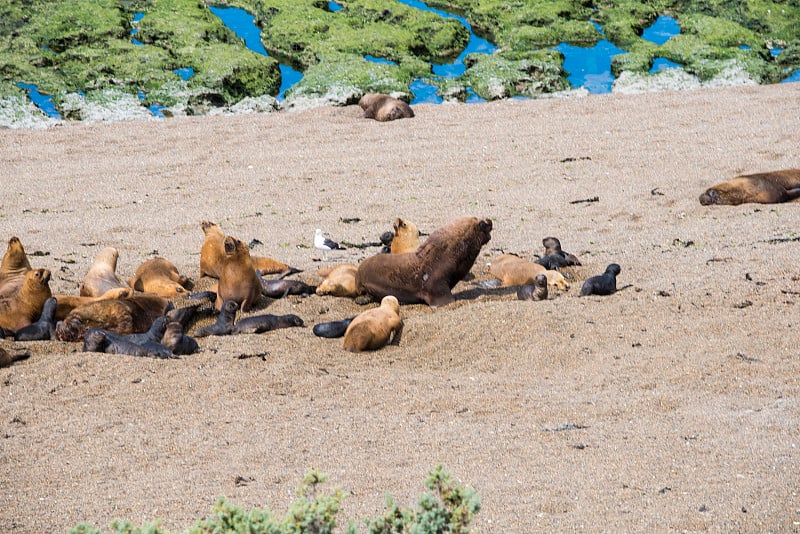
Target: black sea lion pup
x,y
604,284
554,258
276,289
178,342
384,108
42,330
759,188
99,340
224,324
430,273
538,291
258,324
332,329
373,329
154,333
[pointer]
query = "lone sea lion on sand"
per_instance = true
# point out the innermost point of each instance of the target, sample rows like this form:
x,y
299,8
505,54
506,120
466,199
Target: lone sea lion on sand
x,y
102,275
159,276
430,273
538,291
384,108
373,329
22,299
759,188
604,284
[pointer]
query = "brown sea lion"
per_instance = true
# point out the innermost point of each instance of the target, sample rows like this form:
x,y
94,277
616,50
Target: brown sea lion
x,y
538,291
428,274
22,299
384,108
15,261
124,316
759,188
67,303
212,254
257,324
405,238
159,276
604,284
102,275
339,281
373,329
238,280
512,270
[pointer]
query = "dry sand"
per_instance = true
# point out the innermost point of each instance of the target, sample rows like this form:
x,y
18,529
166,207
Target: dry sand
x,y
673,405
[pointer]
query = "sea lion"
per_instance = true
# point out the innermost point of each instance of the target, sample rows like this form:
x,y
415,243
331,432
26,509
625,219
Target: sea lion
x,y
42,330
759,188
212,255
554,258
238,279
372,329
7,359
102,275
604,284
384,108
332,329
512,270
178,342
154,333
161,277
538,291
257,324
405,238
67,303
430,273
22,299
276,289
15,261
128,315
225,321
339,281
100,340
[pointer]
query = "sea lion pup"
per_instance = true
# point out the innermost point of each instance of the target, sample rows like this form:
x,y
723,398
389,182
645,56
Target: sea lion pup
x,y
22,299
554,258
511,270
67,303
238,279
759,188
154,333
405,238
15,262
102,275
257,324
276,289
225,321
212,255
7,359
538,291
178,342
332,329
372,329
42,330
99,340
604,284
128,315
430,273
159,276
339,281
384,108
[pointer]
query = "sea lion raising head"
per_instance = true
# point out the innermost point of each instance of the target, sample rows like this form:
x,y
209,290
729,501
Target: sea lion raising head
x,y
238,280
384,108
405,238
15,261
102,275
760,188
604,284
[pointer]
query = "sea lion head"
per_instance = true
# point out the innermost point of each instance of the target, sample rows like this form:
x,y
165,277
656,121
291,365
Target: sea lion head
x,y
39,277
711,196
391,302
551,245
230,245
614,269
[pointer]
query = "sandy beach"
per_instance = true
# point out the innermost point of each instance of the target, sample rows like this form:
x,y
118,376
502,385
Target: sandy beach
x,y
672,405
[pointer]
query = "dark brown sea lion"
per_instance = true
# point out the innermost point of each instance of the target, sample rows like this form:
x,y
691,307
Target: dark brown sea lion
x,y
102,275
161,277
373,329
99,340
384,108
554,258
258,324
42,330
22,299
759,188
7,359
405,238
512,270
538,291
604,284
238,280
178,342
339,281
123,316
224,324
428,274
276,289
67,303
332,329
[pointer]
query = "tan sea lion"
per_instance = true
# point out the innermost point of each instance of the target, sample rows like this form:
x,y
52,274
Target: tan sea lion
x,y
212,254
22,299
159,276
406,237
512,270
124,316
428,274
338,281
373,329
384,108
238,280
15,261
102,275
759,188
67,303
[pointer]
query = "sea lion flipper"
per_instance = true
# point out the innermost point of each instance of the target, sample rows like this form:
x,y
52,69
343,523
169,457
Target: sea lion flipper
x,y
793,193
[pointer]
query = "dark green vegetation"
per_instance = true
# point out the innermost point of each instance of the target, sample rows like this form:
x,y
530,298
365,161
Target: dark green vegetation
x,y
446,508
65,46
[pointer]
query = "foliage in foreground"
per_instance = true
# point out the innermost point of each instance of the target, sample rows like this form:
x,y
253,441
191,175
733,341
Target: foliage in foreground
x,y
445,508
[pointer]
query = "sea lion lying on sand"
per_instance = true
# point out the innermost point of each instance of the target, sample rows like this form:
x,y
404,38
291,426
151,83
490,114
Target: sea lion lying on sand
x,y
338,281
760,188
604,284
511,270
159,276
430,273
123,316
384,108
554,258
22,298
373,329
